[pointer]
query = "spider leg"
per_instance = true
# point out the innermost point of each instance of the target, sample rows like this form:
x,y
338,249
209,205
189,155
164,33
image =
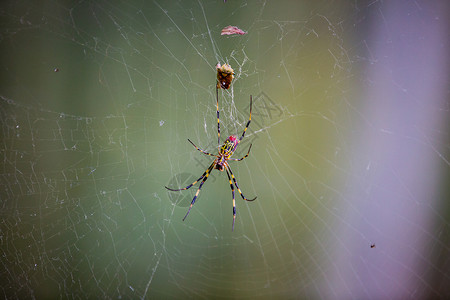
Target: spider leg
x,y
202,151
235,183
234,201
249,119
239,159
218,119
199,188
189,186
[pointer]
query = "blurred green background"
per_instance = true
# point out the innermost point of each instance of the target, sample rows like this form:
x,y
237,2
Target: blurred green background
x,y
350,149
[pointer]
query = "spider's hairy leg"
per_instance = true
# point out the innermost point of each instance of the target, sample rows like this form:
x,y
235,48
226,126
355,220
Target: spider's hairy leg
x,y
218,119
235,183
189,186
199,188
239,159
202,151
249,119
234,201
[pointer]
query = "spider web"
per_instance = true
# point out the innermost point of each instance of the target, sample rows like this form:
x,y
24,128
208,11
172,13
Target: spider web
x,y
350,158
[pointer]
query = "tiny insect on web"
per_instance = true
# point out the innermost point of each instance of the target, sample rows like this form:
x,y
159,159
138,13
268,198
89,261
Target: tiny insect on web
x,y
221,161
225,75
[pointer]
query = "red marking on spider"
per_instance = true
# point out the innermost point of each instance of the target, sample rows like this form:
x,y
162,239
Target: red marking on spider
x,y
232,138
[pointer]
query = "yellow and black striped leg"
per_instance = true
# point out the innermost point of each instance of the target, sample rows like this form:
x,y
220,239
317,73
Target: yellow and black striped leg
x,y
202,151
249,119
234,201
198,191
189,186
239,159
218,119
235,183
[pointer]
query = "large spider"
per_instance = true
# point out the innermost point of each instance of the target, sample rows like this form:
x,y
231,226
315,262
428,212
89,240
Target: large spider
x,y
221,161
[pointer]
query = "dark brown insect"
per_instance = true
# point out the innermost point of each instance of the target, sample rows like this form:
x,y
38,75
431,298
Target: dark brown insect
x,y
372,246
225,75
56,70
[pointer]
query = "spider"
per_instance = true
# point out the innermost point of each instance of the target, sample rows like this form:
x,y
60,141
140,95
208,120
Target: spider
x,y
221,161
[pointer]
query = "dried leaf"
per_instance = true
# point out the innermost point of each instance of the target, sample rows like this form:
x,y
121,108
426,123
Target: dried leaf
x,y
229,30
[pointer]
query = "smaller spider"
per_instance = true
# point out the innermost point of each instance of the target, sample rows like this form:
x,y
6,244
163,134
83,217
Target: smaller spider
x,y
221,162
224,76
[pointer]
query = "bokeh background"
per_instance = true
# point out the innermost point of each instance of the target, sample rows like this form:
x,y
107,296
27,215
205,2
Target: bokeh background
x,y
350,158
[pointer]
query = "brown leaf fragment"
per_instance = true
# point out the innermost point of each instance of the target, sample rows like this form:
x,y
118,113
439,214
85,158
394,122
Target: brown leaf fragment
x,y
229,30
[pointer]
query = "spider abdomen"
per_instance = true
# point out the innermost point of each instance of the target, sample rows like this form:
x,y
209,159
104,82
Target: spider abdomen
x,y
229,146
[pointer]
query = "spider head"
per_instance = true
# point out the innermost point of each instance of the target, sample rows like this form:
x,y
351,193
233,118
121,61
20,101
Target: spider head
x,y
219,167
